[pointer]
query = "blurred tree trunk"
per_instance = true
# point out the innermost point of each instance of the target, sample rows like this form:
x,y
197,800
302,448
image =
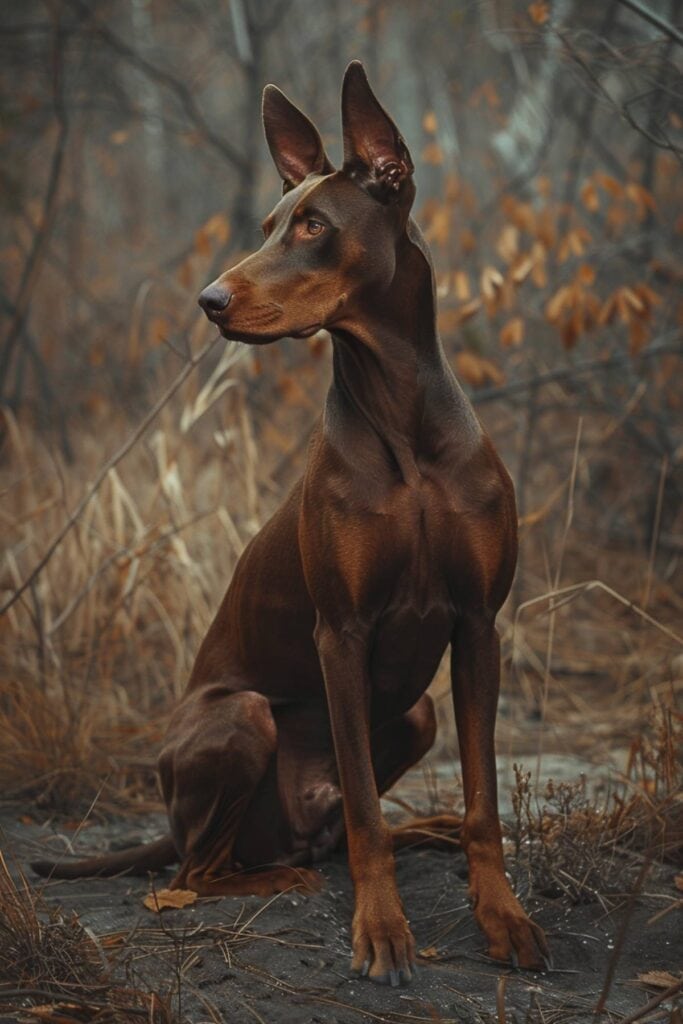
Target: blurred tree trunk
x,y
250,39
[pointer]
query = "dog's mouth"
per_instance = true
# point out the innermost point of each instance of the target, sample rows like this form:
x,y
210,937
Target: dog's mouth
x,y
307,332
255,336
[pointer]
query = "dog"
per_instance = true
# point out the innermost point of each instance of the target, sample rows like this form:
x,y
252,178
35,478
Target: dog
x,y
308,699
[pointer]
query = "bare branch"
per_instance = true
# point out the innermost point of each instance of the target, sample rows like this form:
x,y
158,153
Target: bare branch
x,y
178,88
655,19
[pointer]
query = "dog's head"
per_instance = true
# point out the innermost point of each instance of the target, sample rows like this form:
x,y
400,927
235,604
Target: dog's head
x,y
332,237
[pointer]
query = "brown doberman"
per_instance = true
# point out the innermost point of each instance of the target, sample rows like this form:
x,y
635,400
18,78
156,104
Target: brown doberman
x,y
307,699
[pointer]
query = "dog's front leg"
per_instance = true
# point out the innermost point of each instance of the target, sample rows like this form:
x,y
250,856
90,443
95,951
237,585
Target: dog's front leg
x,y
383,946
475,673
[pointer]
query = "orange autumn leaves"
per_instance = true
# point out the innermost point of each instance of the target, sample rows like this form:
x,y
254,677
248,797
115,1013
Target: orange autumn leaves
x,y
556,248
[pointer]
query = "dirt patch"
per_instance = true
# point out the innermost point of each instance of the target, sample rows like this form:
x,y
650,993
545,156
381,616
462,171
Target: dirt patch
x,y
285,961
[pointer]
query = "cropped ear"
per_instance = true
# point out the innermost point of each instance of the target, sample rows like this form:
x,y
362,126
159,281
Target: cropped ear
x,y
374,150
293,140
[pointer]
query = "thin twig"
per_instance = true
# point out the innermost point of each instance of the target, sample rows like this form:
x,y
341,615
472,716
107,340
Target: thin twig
x,y
654,19
109,465
500,999
621,937
163,77
663,346
655,533
672,990
573,591
558,573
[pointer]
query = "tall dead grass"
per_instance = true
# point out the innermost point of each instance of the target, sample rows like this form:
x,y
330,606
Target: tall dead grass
x,y
100,645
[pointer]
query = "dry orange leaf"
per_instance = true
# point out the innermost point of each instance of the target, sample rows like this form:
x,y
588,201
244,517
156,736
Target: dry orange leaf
x,y
429,953
429,122
478,371
202,242
638,336
512,334
522,268
185,274
539,12
439,227
573,244
611,185
432,153
169,898
467,311
641,197
468,241
507,245
586,274
491,282
61,1013
218,227
646,294
658,979
590,197
678,882
558,303
461,284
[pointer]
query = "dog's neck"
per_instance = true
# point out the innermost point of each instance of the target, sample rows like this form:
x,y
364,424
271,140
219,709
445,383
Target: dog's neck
x,y
391,380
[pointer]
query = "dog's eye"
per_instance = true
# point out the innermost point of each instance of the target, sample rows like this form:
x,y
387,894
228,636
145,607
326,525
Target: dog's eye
x,y
314,227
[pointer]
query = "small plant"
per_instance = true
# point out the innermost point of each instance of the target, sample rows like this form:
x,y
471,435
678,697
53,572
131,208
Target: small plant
x,y
569,843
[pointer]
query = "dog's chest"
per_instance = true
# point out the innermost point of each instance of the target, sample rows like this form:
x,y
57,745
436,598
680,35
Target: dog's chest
x,y
415,625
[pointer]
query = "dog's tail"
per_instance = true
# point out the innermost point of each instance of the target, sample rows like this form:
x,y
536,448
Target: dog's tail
x,y
137,860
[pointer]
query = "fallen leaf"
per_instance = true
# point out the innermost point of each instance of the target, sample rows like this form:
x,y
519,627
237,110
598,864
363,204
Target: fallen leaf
x,y
429,953
678,882
169,898
658,979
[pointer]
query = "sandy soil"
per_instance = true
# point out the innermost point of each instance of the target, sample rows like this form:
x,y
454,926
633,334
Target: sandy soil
x,y
286,961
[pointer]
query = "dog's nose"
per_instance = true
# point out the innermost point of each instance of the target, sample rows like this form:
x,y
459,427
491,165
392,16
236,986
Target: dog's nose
x,y
214,299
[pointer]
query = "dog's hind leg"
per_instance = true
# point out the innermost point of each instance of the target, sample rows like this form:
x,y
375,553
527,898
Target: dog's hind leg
x,y
218,751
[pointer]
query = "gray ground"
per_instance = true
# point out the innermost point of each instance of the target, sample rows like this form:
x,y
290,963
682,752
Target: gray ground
x,y
287,960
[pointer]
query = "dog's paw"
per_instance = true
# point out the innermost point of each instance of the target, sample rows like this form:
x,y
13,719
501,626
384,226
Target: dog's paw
x,y
511,934
383,945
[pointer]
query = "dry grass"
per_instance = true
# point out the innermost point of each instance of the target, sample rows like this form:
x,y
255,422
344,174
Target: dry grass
x,y
98,648
591,847
53,969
